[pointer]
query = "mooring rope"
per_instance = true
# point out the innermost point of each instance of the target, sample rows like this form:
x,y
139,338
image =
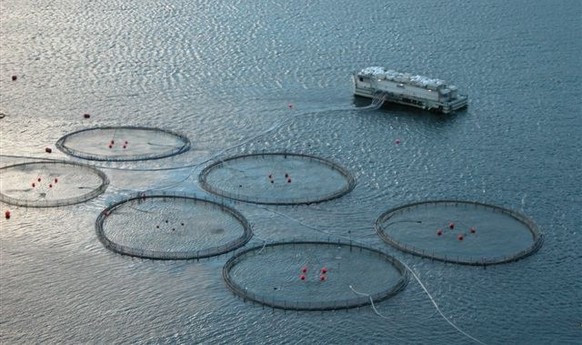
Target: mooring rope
x,y
438,309
371,301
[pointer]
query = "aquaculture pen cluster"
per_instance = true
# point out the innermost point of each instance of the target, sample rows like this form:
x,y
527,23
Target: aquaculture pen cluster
x,y
172,255
537,238
286,178
286,304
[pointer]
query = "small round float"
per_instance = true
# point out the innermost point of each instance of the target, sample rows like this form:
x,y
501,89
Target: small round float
x,y
314,275
462,232
50,183
123,143
277,179
171,227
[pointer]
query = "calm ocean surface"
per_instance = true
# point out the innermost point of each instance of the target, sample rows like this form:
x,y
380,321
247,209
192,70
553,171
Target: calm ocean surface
x,y
223,73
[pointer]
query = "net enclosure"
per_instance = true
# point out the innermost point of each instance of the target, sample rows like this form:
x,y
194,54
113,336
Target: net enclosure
x,y
171,227
50,183
462,232
314,275
277,178
123,143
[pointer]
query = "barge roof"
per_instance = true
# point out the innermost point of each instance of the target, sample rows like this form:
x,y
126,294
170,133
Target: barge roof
x,y
405,78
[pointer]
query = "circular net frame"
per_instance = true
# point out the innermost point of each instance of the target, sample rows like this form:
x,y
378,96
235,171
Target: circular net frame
x,y
461,232
123,143
171,227
50,183
314,275
277,179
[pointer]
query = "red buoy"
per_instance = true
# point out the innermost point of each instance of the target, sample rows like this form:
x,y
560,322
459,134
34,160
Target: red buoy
x,y
56,180
290,106
48,150
7,214
323,270
124,146
452,225
439,232
304,269
50,185
110,146
460,237
86,116
38,179
126,142
302,277
33,185
14,78
397,141
288,180
322,277
473,230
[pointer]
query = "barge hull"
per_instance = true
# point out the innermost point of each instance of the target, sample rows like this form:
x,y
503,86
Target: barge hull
x,y
386,97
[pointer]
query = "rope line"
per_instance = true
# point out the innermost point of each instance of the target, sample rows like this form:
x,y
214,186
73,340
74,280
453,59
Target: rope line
x,y
438,309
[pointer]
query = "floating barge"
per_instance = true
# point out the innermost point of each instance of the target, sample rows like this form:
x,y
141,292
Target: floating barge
x,y
384,85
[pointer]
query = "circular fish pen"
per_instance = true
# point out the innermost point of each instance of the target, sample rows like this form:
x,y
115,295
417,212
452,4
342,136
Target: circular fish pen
x,y
314,275
277,179
171,227
123,143
461,232
50,183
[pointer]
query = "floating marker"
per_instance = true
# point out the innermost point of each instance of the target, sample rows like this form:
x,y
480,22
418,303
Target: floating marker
x,y
473,230
322,277
451,225
304,269
288,180
50,185
323,270
397,141
33,185
302,277
110,146
14,78
56,180
460,237
38,179
86,116
48,150
7,214
439,232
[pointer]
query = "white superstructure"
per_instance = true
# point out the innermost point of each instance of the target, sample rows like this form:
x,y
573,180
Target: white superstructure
x,y
405,88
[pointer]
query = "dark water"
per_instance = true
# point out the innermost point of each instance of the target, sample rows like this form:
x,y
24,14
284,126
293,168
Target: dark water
x,y
223,73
